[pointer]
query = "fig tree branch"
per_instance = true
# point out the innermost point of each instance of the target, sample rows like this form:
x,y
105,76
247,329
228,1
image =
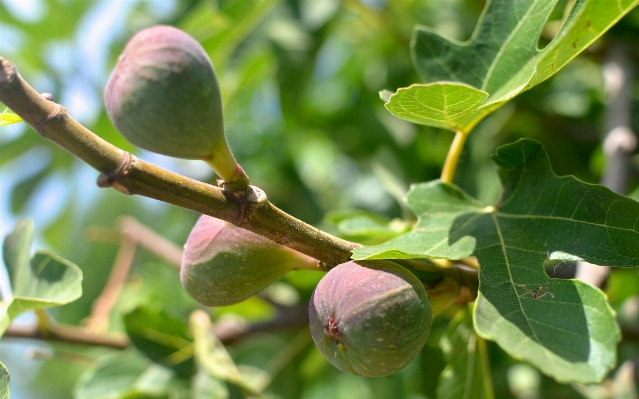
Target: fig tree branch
x,y
133,176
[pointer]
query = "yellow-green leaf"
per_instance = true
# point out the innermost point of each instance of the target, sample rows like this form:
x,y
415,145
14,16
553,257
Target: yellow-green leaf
x,y
8,117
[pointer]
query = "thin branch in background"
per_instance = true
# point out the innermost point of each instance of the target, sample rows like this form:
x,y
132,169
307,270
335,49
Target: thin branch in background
x,y
141,235
132,233
150,240
619,143
285,318
69,334
60,355
98,320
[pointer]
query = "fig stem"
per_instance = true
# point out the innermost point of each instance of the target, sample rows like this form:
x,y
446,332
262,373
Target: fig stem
x,y
130,175
452,159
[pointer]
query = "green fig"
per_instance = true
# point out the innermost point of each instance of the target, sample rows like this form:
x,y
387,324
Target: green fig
x,y
224,264
163,96
371,318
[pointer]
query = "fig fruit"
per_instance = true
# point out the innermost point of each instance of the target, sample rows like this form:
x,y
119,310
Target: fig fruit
x,y
163,96
370,319
224,264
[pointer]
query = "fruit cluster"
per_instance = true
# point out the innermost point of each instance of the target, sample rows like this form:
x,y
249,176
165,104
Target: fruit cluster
x,y
366,318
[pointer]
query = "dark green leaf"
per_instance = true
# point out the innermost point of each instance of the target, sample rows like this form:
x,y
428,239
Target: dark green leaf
x,y
164,339
16,250
467,374
45,280
22,191
502,58
564,327
123,375
4,382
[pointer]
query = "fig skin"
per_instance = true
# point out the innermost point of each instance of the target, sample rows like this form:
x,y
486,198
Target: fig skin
x,y
224,264
370,319
163,96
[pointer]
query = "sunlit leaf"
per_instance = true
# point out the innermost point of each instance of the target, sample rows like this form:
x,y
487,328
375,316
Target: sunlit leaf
x,y
211,357
502,58
564,327
467,374
4,382
8,117
206,386
371,229
42,281
441,104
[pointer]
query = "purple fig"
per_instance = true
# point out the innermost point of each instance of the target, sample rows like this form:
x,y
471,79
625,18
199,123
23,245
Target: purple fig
x,y
224,264
164,96
370,319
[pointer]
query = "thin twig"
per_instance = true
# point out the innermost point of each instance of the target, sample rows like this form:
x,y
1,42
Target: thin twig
x,y
227,332
70,334
136,232
150,240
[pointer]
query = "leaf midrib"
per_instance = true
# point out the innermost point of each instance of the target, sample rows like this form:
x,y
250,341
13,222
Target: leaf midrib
x,y
510,276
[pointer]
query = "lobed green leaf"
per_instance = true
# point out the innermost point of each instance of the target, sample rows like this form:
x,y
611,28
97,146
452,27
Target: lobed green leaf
x,y
502,58
564,327
42,281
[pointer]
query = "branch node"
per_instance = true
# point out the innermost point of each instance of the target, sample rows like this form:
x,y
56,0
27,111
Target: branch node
x,y
246,203
110,179
8,71
57,110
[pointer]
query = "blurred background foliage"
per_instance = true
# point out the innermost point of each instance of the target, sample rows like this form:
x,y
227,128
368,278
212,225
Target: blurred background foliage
x,y
300,82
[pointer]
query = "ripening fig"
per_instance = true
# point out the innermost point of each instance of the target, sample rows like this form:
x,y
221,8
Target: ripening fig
x,y
163,96
224,264
371,318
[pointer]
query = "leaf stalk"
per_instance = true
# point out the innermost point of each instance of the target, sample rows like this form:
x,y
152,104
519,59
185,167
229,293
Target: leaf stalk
x,y
452,159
